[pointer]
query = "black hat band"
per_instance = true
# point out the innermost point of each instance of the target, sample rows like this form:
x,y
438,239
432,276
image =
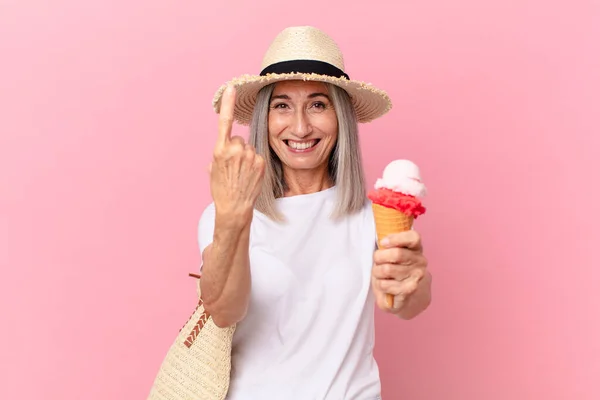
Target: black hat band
x,y
304,67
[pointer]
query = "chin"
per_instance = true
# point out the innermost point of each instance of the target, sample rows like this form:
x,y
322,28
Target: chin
x,y
296,166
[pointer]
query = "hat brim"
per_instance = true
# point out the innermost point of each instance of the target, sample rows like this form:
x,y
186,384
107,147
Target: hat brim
x,y
369,102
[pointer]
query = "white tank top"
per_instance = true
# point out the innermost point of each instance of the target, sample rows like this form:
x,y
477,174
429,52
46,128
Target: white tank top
x,y
309,330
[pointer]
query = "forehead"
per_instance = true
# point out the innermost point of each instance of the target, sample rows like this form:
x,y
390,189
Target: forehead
x,y
299,88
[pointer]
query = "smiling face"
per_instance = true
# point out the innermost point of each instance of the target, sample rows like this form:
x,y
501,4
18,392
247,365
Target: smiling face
x,y
303,126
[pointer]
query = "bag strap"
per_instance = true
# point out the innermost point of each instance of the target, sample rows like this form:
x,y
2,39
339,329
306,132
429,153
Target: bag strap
x,y
189,341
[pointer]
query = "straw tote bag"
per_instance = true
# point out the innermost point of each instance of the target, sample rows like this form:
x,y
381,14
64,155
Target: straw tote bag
x,y
198,364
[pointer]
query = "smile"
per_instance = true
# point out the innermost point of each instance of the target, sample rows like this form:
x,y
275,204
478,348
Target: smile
x,y
301,146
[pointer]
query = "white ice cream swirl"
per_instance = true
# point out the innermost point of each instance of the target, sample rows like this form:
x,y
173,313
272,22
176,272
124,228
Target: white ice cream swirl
x,y
402,176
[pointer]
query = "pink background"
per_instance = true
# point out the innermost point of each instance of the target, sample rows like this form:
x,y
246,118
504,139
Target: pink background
x,y
106,131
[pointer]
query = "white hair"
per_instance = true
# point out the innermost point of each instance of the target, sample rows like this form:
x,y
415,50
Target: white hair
x,y
345,161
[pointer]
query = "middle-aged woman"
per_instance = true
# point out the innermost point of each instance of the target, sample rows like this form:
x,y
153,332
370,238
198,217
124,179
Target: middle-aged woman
x,y
289,243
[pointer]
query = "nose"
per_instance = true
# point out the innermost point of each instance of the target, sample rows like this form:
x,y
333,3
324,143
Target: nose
x,y
301,126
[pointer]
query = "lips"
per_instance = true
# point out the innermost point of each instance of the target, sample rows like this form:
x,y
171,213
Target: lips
x,y
301,145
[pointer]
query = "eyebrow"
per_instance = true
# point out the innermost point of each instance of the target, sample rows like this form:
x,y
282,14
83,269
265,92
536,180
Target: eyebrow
x,y
310,96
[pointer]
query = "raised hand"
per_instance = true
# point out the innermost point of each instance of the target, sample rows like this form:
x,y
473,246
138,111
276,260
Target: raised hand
x,y
236,172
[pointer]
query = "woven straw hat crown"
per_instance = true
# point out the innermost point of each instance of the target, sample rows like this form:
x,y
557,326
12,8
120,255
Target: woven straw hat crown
x,y
303,43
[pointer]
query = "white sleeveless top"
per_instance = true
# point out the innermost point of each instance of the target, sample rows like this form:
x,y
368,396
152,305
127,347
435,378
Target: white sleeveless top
x,y
309,330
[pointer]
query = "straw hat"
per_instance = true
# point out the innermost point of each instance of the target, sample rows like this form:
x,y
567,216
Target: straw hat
x,y
304,53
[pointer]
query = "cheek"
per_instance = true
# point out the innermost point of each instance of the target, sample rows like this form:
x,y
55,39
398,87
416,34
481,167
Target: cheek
x,y
329,127
276,121
276,125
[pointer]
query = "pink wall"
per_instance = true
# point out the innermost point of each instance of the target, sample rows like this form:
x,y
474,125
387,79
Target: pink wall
x,y
106,129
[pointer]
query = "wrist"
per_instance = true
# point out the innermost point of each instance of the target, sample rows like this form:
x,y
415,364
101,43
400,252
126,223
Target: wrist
x,y
233,218
232,223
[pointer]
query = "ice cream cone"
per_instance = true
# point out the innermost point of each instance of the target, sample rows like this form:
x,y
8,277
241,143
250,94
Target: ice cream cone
x,y
388,221
395,201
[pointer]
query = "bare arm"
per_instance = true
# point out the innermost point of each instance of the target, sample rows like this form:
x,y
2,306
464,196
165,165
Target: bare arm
x,y
225,282
236,175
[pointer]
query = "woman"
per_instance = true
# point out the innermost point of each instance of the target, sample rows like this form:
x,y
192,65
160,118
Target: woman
x,y
289,244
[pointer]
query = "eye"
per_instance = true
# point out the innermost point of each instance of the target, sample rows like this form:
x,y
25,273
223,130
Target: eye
x,y
318,106
280,106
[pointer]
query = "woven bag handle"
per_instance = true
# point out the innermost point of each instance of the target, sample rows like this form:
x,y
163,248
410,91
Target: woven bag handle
x,y
203,318
197,276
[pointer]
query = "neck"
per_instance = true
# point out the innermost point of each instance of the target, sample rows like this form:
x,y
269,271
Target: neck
x,y
306,181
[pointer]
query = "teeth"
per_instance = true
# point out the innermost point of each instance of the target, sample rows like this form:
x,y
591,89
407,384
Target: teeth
x,y
301,145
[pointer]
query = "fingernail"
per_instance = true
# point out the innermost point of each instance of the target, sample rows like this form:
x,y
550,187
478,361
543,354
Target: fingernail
x,y
385,242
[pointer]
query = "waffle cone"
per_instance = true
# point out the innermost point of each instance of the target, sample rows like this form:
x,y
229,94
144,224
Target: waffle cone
x,y
388,221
